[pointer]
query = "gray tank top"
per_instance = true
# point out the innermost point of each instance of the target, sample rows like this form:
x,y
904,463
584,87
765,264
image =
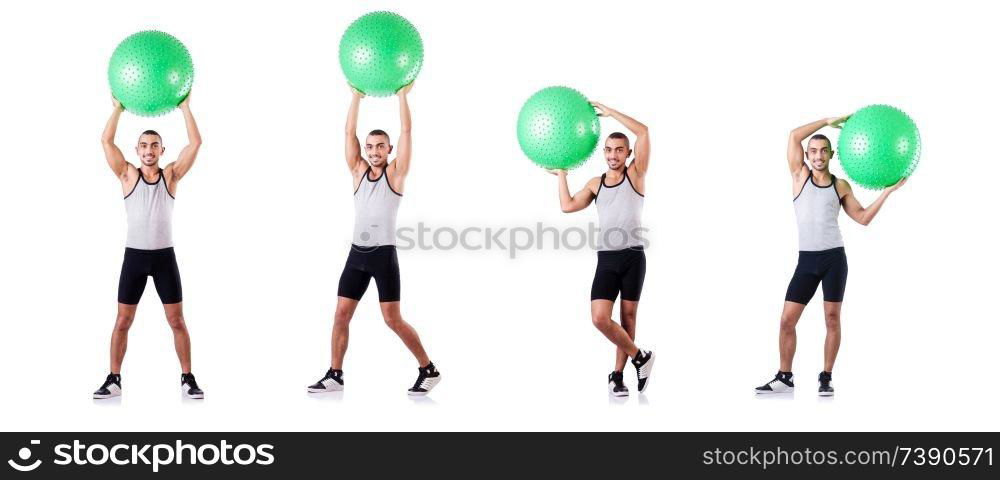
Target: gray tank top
x,y
619,213
150,210
816,210
375,207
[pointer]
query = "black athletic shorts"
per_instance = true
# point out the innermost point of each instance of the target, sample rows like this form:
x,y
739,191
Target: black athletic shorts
x,y
363,263
159,264
619,271
827,266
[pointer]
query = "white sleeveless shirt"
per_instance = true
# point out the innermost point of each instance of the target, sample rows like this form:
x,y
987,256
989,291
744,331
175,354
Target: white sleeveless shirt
x,y
816,212
150,211
375,208
619,214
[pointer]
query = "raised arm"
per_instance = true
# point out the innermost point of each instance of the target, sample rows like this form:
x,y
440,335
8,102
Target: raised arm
x,y
574,203
404,145
352,145
640,151
796,155
864,215
185,159
111,151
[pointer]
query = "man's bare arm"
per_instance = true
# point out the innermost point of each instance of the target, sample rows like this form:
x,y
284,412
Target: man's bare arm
x,y
185,160
573,203
853,208
112,153
352,145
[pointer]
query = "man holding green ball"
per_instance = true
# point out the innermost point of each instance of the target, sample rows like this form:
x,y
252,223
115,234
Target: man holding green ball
x,y
149,201
621,261
378,190
818,197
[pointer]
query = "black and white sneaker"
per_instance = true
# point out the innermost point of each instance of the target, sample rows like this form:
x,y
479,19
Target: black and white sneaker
x,y
189,387
616,384
825,389
782,383
112,387
427,379
643,363
332,382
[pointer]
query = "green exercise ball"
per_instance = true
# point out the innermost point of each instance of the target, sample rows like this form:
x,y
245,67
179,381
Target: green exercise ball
x,y
558,128
878,146
380,53
150,73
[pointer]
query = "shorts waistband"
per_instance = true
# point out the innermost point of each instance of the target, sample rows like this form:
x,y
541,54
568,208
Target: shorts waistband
x,y
371,249
149,252
822,252
622,251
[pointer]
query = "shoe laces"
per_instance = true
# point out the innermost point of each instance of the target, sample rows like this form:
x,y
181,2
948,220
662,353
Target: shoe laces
x,y
111,380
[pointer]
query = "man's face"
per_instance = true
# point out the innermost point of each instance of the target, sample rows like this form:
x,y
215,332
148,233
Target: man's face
x,y
616,152
149,149
819,154
377,149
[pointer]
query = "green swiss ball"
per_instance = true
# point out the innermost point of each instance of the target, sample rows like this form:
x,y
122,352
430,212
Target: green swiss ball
x,y
558,128
150,73
878,146
380,53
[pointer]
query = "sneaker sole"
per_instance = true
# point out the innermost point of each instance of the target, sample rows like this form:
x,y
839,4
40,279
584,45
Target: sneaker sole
x,y
772,392
826,394
432,382
196,396
616,394
324,390
105,397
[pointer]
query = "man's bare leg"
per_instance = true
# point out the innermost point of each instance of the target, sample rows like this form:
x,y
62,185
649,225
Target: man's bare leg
x,y
628,308
182,340
790,316
600,312
119,336
341,331
832,345
394,320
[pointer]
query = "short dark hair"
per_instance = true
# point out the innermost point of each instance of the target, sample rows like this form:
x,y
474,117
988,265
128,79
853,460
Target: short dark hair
x,y
620,136
820,136
377,132
152,132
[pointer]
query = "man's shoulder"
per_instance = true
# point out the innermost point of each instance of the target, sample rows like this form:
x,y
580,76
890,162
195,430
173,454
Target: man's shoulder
x,y
594,183
842,185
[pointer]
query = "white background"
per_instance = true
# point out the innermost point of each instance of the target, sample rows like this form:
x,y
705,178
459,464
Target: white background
x,y
263,222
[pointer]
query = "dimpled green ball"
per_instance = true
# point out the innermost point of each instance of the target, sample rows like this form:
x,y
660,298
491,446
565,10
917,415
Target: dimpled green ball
x,y
150,73
878,146
380,53
558,128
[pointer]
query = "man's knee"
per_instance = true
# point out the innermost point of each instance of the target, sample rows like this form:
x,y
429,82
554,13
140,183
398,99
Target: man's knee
x,y
176,321
341,318
123,322
832,320
394,322
602,322
788,322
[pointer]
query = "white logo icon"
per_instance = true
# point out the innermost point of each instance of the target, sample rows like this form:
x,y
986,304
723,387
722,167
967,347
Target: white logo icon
x,y
25,454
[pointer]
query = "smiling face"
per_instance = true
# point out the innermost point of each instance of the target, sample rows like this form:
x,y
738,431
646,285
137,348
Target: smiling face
x,y
150,148
616,151
819,151
377,149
